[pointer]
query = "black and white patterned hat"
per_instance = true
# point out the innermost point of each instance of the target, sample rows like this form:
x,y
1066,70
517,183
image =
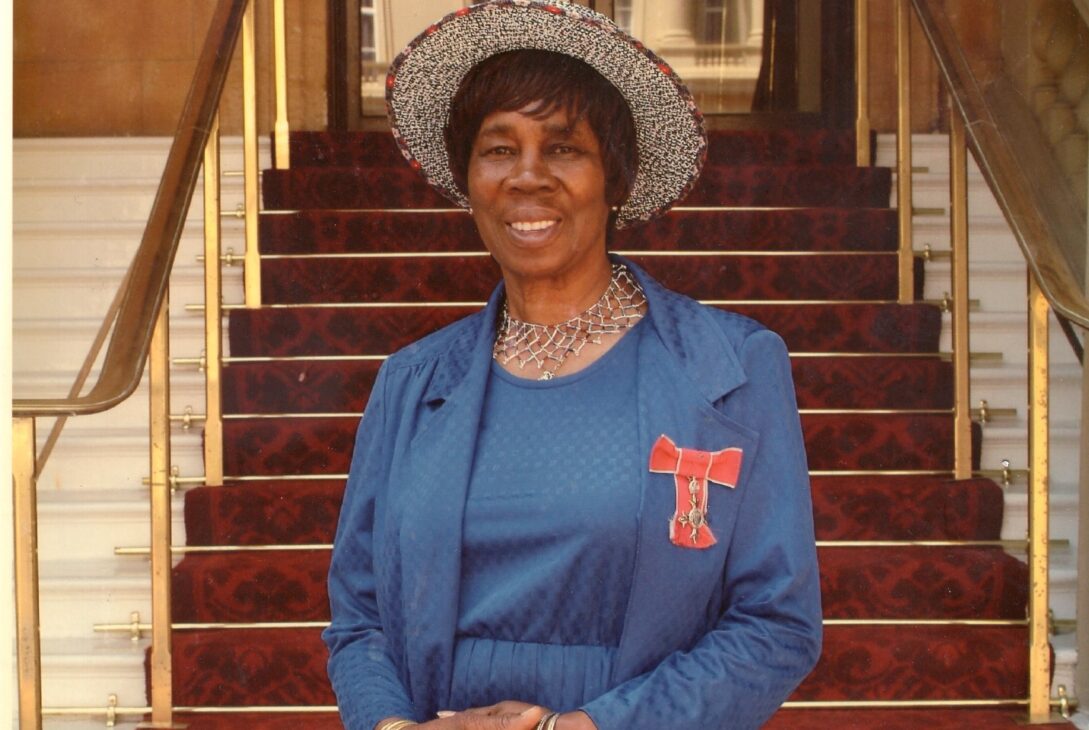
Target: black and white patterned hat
x,y
425,76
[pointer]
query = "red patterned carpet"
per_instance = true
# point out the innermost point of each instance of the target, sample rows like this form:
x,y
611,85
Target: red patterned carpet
x,y
292,419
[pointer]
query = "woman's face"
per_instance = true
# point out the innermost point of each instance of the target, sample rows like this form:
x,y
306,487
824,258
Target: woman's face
x,y
537,188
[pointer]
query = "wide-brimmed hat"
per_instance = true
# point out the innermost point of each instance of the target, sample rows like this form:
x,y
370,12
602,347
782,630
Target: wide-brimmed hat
x,y
425,76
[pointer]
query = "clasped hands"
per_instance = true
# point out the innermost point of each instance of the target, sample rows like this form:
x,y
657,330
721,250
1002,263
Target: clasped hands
x,y
508,715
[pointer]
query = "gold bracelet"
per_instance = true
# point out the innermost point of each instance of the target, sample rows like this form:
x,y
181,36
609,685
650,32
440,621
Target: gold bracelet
x,y
548,722
397,725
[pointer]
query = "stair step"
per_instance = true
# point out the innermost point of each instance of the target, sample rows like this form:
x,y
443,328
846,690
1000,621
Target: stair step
x,y
903,583
254,667
318,386
844,508
825,328
910,719
906,508
264,513
772,146
786,719
919,662
285,446
835,277
733,185
804,229
329,720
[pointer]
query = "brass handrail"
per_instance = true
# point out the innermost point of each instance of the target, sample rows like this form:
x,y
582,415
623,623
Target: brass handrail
x,y
1039,234
123,365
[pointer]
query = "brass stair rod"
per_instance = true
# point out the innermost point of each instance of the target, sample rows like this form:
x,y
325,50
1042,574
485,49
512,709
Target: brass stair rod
x,y
958,229
903,150
213,315
863,156
1039,650
159,417
252,268
27,624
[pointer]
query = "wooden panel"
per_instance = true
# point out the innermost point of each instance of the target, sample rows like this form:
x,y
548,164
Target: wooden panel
x,y
92,68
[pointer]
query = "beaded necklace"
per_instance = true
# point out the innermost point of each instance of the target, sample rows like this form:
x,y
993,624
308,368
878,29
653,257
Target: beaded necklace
x,y
548,346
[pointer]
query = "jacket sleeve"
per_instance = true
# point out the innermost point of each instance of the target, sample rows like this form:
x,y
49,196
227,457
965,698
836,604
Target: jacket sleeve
x,y
768,637
364,677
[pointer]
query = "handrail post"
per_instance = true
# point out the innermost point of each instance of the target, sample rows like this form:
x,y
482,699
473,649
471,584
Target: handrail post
x,y
281,128
863,156
28,631
213,314
252,273
958,199
159,415
903,147
1039,649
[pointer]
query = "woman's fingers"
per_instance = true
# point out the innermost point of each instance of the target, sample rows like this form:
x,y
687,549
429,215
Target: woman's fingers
x,y
507,707
525,719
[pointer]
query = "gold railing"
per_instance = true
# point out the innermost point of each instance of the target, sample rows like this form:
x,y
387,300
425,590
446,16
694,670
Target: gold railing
x,y
983,118
140,333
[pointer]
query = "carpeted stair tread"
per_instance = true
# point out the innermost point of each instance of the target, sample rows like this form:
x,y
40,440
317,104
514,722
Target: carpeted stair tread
x,y
785,719
897,507
734,185
922,583
891,719
919,662
754,147
322,444
259,586
251,667
824,328
264,513
804,229
902,583
844,508
259,720
322,386
835,277
873,382
287,666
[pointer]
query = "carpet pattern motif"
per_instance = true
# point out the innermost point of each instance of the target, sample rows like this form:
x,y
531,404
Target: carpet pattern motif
x,y
810,253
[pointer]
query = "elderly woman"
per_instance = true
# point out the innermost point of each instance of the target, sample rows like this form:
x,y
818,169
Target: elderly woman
x,y
587,505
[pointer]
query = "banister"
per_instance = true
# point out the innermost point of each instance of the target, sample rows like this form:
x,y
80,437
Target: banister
x,y
145,292
1041,228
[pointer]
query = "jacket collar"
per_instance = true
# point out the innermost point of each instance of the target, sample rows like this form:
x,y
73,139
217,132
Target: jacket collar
x,y
699,346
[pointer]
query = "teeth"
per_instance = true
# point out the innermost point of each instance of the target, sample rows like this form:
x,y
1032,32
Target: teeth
x,y
532,225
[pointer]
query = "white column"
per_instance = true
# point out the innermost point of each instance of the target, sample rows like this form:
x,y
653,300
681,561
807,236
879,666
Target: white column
x,y
671,22
756,23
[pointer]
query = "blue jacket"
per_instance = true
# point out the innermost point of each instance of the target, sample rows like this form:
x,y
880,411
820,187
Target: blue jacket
x,y
713,638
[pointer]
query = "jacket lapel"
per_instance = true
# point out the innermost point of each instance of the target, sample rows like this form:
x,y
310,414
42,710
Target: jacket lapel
x,y
435,485
685,366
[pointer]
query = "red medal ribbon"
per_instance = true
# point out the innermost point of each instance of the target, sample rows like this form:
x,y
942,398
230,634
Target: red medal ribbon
x,y
691,470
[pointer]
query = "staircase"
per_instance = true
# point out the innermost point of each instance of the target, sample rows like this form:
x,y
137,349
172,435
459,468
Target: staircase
x,y
360,258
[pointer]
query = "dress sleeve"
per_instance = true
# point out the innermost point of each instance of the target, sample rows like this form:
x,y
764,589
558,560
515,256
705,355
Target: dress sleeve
x,y
364,677
768,638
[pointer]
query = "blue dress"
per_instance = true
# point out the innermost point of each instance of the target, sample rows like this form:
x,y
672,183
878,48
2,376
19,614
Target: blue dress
x,y
711,638
555,483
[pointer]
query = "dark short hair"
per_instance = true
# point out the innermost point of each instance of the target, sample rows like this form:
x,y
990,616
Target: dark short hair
x,y
515,79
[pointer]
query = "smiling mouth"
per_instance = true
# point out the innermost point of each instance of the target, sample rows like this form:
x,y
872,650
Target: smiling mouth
x,y
528,226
